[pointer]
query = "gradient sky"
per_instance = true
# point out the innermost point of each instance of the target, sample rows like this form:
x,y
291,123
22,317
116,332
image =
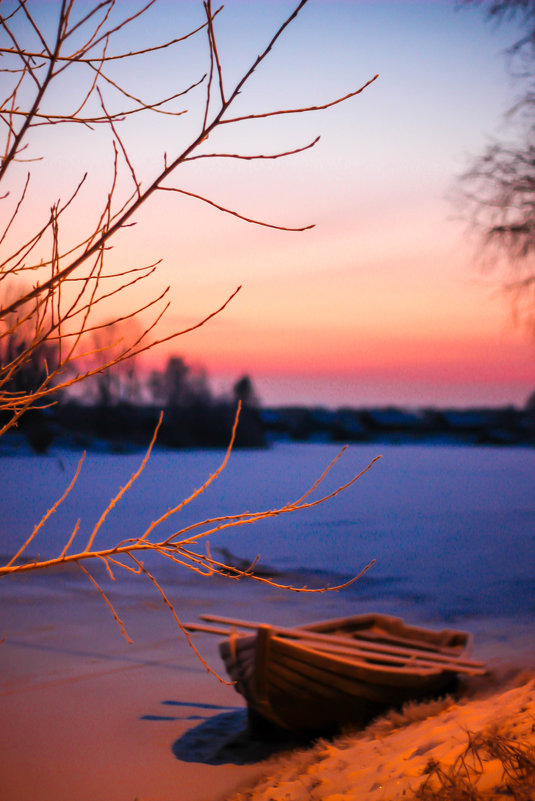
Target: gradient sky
x,y
384,301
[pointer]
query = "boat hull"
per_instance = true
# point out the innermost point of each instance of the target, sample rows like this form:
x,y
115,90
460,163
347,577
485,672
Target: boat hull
x,y
310,691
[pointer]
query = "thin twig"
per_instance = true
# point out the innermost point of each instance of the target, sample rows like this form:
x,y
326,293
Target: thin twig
x,y
107,601
50,512
234,213
126,487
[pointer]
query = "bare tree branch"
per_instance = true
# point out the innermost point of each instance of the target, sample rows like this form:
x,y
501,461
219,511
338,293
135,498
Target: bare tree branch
x,y
73,276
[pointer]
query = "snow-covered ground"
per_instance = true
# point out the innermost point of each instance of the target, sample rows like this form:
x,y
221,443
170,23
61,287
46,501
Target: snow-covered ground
x,y
452,529
86,715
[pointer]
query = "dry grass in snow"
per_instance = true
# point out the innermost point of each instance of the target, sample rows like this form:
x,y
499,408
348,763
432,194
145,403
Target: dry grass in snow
x,y
470,750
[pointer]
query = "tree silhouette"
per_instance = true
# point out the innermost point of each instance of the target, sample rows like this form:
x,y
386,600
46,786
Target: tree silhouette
x,y
243,391
500,185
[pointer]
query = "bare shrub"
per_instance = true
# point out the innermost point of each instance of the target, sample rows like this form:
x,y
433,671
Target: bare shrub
x,y
61,271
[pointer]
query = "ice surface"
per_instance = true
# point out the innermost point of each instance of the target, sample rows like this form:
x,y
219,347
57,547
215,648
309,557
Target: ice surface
x,y
452,529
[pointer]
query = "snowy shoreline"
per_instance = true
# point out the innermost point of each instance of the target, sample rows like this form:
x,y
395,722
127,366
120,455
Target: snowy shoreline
x,y
444,749
87,716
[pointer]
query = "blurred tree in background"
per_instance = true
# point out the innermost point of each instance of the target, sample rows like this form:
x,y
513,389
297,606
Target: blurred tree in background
x,y
500,185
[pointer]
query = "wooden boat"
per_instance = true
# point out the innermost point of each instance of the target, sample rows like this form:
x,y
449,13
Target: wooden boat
x,y
327,675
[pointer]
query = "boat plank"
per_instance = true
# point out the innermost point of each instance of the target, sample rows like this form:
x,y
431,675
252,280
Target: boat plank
x,y
461,664
378,659
394,630
317,681
350,670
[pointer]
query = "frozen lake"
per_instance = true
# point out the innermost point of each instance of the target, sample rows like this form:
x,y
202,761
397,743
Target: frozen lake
x,y
452,529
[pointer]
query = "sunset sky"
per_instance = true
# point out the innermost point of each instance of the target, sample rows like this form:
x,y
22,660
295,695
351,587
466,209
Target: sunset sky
x,y
384,301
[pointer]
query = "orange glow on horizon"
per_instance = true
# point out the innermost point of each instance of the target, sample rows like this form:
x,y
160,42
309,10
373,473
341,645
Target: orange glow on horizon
x,y
385,286
452,360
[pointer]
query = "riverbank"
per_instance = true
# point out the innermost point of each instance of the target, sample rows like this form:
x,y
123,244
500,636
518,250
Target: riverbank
x,y
478,747
87,716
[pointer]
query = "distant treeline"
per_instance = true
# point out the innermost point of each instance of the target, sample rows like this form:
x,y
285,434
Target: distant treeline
x,y
476,426
119,412
124,426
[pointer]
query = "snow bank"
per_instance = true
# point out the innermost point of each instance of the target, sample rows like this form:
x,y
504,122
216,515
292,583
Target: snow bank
x,y
442,750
